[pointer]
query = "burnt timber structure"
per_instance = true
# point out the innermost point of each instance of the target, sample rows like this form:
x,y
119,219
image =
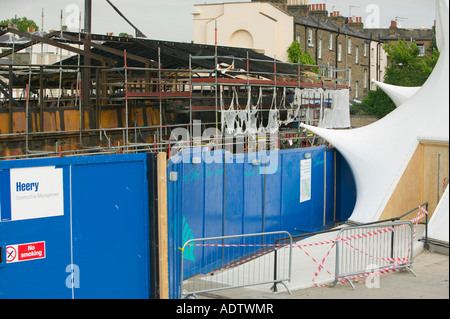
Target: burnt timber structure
x,y
137,91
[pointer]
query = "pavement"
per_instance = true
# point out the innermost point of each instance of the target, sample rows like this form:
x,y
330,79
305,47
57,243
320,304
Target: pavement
x,y
429,280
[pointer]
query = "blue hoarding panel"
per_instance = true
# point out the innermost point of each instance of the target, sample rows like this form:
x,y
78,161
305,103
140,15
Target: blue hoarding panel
x,y
345,189
231,197
330,187
110,229
81,231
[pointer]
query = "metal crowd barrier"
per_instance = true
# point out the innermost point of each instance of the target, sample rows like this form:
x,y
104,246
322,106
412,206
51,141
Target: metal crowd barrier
x,y
236,261
374,248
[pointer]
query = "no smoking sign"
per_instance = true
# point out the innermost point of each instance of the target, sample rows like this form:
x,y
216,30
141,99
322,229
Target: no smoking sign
x,y
24,252
11,254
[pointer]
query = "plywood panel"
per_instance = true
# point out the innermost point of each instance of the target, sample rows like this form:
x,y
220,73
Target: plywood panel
x,y
4,123
423,181
109,119
71,120
49,122
19,122
162,225
408,193
435,172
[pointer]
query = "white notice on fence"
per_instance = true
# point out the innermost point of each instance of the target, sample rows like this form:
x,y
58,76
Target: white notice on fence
x,y
305,180
36,192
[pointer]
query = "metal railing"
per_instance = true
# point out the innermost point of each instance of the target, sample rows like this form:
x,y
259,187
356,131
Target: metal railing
x,y
235,261
392,249
365,249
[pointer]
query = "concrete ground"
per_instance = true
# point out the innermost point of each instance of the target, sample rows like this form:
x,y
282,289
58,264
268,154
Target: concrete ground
x,y
432,270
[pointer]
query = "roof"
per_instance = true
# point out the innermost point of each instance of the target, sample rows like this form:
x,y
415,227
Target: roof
x,y
330,26
385,34
176,55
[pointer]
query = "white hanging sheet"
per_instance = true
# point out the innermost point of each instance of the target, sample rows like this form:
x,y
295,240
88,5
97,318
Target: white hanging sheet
x,y
252,124
338,116
228,116
272,119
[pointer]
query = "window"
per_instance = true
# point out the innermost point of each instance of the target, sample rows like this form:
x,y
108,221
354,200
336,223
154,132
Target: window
x,y
339,53
356,89
365,78
349,76
356,55
349,46
330,46
421,49
310,38
297,38
319,48
365,49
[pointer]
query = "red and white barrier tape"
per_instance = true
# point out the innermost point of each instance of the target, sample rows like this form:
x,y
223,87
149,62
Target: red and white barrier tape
x,y
326,242
399,261
333,242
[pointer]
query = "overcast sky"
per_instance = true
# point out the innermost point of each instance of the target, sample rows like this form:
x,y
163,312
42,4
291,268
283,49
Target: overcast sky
x,y
172,19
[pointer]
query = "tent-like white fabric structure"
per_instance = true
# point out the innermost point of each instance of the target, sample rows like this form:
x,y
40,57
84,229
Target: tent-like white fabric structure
x,y
438,228
398,94
379,153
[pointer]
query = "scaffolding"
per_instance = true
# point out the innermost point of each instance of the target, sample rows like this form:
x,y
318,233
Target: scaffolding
x,y
139,109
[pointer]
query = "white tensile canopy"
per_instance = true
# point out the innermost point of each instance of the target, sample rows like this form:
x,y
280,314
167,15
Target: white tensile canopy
x,y
379,153
438,225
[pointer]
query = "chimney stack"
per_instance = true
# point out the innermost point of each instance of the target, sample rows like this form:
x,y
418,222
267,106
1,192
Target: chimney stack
x,y
393,28
337,18
356,23
318,11
299,8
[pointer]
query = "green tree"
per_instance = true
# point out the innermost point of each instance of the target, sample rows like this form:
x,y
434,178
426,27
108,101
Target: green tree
x,y
124,34
407,68
22,24
295,55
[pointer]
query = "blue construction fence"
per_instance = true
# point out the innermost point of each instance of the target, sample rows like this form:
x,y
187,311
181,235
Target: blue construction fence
x,y
76,227
214,194
86,227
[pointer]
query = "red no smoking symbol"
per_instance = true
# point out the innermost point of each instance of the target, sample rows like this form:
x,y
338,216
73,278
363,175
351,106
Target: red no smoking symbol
x,y
11,254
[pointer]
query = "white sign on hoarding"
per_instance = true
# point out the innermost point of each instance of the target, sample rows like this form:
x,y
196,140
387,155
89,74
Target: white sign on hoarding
x,y
305,180
36,192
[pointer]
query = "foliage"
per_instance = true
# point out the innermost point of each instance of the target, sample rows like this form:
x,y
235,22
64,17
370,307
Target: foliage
x,y
22,24
376,103
124,34
407,68
296,55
